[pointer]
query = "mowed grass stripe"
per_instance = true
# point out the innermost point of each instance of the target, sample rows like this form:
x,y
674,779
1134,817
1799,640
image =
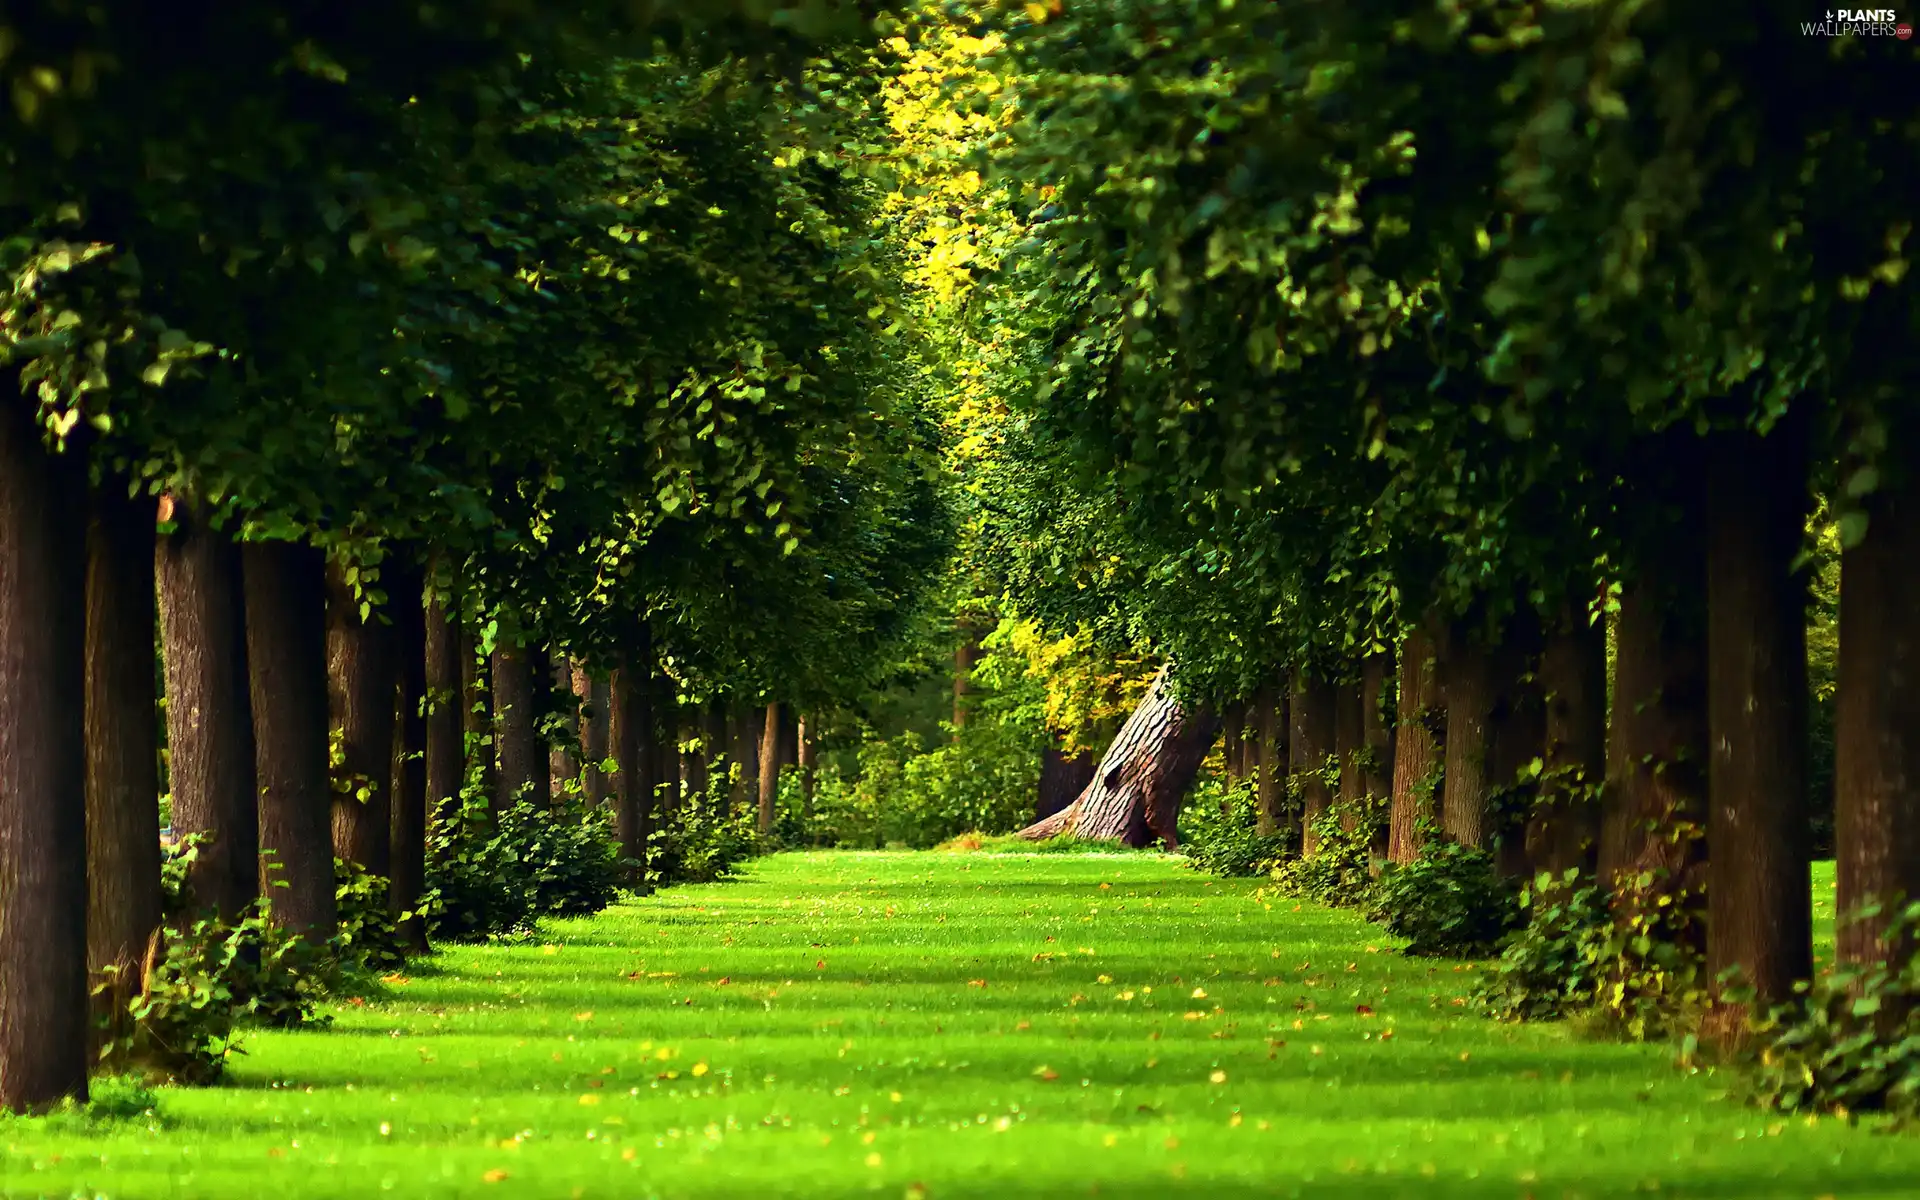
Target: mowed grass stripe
x,y
950,1025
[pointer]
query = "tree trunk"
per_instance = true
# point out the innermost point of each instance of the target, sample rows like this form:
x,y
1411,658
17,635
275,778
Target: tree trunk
x,y
1376,739
1565,831
594,724
287,660
1470,694
122,736
631,716
476,714
666,750
409,772
1348,741
1136,791
713,754
563,764
743,747
1516,735
804,753
447,695
43,764
965,656
1758,897
1653,811
1877,738
1270,730
209,710
516,740
1418,752
769,768
1312,743
1232,734
361,671
1062,778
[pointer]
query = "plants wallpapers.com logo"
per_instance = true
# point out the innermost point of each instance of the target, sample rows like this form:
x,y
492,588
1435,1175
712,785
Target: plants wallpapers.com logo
x,y
1858,22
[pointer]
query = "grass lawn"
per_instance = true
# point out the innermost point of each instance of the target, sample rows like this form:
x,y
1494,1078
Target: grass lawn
x,y
942,1025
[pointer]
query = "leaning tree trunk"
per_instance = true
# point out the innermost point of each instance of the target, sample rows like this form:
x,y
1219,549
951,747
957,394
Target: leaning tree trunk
x,y
122,740
287,660
43,764
1136,791
1758,896
360,700
1565,831
1877,720
516,740
446,727
409,774
209,709
1270,785
1418,752
1312,710
1470,693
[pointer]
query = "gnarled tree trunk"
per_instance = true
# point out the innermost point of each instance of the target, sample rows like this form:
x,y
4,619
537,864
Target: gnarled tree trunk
x,y
1418,752
209,708
1062,778
287,661
122,736
1136,791
43,763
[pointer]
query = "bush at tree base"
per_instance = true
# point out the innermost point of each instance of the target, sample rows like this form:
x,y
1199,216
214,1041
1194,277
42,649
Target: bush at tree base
x,y
1450,900
704,840
1629,962
369,937
1850,1042
1340,870
1220,831
494,874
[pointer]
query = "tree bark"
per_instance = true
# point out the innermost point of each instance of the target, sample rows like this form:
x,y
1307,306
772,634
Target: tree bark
x,y
523,769
1062,778
209,709
769,768
409,772
594,724
743,747
1312,710
1136,791
1565,831
361,673
287,660
1470,694
1232,734
1376,739
1270,731
1758,897
1349,739
122,745
1418,752
1654,809
476,714
43,764
804,754
666,750
1877,738
965,657
563,765
447,695
632,714
1516,735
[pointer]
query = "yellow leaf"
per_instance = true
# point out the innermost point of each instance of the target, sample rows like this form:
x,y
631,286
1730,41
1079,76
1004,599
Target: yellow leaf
x,y
589,1098
1218,1077
494,1176
699,1069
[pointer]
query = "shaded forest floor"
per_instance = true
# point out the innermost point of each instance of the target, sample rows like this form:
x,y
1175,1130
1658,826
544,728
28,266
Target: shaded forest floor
x,y
940,1025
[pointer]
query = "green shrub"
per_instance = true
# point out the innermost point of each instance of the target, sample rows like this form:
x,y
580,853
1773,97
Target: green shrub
x,y
702,841
1556,964
1220,831
905,794
1450,900
1339,871
1851,1041
368,939
495,874
120,1098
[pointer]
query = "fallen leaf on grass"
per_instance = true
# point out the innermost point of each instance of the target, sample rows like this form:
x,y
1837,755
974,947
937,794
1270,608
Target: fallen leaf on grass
x,y
583,1016
1046,1073
699,1069
494,1176
396,979
1217,1077
549,949
589,1098
979,983
1363,1010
